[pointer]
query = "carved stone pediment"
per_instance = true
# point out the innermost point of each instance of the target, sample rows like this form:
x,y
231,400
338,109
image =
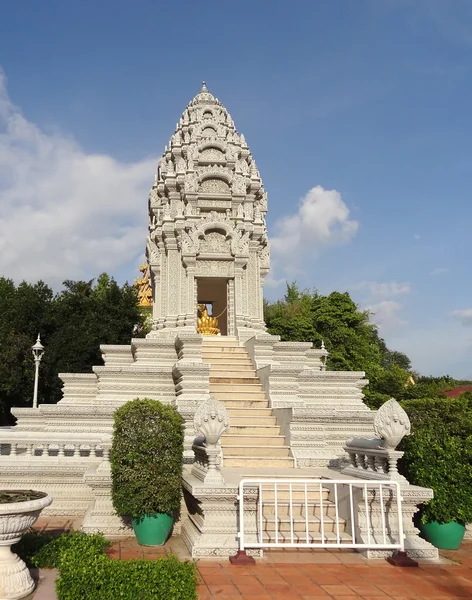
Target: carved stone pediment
x,y
214,186
212,155
215,242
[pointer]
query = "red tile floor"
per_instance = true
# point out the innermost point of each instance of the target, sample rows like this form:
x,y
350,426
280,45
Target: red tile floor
x,y
312,575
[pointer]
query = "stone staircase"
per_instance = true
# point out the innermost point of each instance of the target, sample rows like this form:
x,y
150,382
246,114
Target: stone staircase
x,y
254,440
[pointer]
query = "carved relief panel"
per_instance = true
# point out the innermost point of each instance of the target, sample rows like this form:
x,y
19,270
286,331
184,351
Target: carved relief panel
x,y
214,186
215,242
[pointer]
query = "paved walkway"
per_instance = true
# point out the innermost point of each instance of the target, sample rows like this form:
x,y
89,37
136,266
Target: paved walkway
x,y
314,575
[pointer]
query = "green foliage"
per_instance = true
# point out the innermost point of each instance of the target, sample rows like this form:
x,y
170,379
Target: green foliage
x,y
30,544
49,555
44,549
353,343
96,577
72,323
146,458
438,454
86,572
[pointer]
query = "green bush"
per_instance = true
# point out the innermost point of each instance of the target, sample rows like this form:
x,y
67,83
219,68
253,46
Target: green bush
x,y
85,572
94,576
49,555
44,549
146,459
30,544
438,455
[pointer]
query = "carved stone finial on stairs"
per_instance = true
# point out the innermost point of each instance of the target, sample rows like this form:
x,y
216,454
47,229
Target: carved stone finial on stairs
x,y
391,424
210,422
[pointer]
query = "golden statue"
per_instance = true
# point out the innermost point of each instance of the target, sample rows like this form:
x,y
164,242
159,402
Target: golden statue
x,y
144,288
206,325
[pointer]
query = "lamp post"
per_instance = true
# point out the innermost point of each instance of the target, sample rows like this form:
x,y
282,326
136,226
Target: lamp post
x,y
38,351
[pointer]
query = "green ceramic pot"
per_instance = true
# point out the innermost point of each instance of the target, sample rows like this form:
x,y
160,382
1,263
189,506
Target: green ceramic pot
x,y
153,530
447,536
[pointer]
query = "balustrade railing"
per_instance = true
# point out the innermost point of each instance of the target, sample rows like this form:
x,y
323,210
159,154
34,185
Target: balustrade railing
x,y
54,448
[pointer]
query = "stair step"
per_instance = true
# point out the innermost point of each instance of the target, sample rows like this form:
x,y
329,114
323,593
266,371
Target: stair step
x,y
299,524
252,429
234,386
298,509
298,495
229,362
237,395
240,379
229,350
299,537
245,404
252,440
256,451
220,339
217,370
258,462
254,421
244,412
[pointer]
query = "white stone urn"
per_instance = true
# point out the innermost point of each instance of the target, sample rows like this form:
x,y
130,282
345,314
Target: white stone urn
x,y
15,518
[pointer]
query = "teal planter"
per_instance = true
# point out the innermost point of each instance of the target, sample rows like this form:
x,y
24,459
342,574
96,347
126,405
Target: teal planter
x,y
153,530
447,536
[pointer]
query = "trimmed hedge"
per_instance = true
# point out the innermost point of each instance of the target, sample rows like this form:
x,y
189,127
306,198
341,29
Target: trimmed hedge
x,y
438,455
147,458
86,572
96,577
44,550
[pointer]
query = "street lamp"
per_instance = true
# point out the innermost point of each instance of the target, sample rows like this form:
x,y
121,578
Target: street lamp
x,y
38,351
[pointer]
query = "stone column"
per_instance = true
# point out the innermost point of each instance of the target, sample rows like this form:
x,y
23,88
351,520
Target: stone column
x,y
192,383
230,304
173,283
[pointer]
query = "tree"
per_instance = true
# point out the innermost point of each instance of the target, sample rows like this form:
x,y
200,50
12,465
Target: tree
x,y
352,340
72,323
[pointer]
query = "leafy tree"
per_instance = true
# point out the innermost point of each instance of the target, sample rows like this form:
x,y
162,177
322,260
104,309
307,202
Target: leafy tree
x,y
352,340
72,324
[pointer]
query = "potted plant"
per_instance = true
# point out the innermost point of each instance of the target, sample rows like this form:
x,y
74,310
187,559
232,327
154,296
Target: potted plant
x,y
146,465
19,509
438,455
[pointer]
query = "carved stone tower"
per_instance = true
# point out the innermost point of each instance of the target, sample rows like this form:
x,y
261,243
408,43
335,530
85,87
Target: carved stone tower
x,y
207,238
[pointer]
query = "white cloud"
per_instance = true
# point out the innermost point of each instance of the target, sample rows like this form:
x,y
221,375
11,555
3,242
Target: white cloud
x,y
383,290
65,213
322,220
385,314
464,316
377,298
439,271
272,282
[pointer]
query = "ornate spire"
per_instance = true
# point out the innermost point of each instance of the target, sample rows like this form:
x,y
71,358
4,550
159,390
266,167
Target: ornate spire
x,y
204,96
207,180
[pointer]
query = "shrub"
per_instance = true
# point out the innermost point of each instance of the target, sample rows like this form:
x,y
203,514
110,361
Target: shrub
x,y
96,577
49,555
30,544
438,454
146,458
85,572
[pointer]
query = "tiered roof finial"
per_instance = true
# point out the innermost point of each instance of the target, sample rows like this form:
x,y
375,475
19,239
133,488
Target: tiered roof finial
x,y
204,96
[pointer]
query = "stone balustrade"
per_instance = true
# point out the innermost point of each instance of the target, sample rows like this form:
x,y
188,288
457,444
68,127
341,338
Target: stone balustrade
x,y
370,460
55,446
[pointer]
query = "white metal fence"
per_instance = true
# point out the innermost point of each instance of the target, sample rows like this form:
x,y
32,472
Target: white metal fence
x,y
320,513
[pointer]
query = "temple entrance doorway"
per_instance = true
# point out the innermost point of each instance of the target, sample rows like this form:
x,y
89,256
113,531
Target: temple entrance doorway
x,y
213,293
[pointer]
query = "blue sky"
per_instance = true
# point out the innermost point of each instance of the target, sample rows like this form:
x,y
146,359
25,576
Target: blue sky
x,y
368,99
